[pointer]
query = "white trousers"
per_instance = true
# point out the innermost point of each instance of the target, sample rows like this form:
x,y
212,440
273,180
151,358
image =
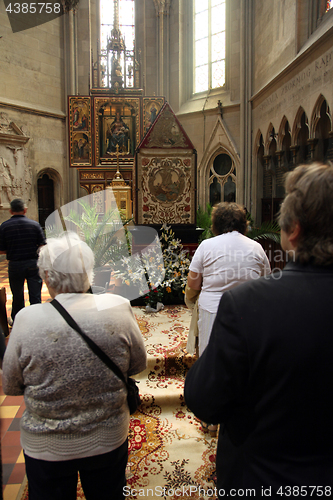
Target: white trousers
x,y
205,325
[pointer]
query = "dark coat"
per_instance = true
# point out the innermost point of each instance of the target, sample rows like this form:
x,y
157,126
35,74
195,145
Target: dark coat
x,y
267,377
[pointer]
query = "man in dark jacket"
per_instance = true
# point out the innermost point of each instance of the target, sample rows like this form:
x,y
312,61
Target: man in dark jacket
x,y
267,373
20,239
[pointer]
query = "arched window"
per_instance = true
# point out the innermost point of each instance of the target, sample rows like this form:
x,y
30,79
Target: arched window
x,y
329,5
209,44
117,36
126,21
322,133
222,180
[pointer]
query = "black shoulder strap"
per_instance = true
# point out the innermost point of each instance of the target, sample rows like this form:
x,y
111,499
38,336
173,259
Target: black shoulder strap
x,y
94,347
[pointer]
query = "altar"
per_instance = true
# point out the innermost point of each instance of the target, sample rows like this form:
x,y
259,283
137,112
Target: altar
x,y
121,139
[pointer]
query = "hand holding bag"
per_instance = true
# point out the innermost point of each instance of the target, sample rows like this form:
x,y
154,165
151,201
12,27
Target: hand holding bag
x,y
133,396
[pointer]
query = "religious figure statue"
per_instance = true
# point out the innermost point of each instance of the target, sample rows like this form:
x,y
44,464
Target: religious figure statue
x,y
6,181
117,134
115,67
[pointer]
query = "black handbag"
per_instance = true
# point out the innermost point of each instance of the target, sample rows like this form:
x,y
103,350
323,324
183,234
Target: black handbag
x,y
133,396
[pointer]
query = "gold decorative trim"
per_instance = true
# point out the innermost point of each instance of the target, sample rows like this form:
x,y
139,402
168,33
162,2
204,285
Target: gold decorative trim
x,y
93,175
79,113
131,102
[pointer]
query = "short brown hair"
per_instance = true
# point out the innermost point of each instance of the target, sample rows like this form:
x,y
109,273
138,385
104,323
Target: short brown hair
x,y
309,201
227,217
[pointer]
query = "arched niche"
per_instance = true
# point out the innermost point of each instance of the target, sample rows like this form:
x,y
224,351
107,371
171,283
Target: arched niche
x,y
221,178
284,144
321,127
300,137
49,188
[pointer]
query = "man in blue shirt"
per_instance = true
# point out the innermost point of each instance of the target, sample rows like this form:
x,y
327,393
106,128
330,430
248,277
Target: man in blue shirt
x,y
20,239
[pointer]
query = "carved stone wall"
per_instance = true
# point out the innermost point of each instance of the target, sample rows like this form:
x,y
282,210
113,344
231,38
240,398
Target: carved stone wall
x,y
28,145
15,172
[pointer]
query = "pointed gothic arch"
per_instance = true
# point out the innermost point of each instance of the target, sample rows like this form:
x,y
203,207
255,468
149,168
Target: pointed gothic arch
x,y
300,136
317,115
321,129
270,136
257,141
285,156
221,177
297,125
49,191
284,127
220,142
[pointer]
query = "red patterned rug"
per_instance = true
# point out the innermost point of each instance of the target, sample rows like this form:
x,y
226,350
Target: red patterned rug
x,y
169,456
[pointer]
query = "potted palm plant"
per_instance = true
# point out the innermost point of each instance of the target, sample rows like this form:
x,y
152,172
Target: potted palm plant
x,y
106,234
266,231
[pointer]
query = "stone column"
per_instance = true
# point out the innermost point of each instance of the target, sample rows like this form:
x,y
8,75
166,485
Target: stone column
x,y
245,175
282,160
294,150
162,13
70,56
312,143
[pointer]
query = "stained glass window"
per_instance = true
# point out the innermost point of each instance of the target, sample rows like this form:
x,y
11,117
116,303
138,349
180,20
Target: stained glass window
x,y
126,21
117,43
222,180
329,5
209,44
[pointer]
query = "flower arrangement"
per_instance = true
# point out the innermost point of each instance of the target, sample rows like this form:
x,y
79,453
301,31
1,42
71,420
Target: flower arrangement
x,y
176,264
160,276
154,296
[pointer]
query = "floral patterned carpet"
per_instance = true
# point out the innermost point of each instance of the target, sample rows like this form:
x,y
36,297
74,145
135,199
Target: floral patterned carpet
x,y
170,457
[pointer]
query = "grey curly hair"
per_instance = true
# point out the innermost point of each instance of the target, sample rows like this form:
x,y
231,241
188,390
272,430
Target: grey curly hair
x,y
69,263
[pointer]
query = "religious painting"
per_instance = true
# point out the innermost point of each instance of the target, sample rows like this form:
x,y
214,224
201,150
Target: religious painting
x,y
151,108
166,188
80,131
80,150
117,124
80,113
166,132
167,183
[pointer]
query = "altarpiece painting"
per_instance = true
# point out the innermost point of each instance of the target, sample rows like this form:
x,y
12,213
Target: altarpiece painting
x,y
79,111
117,125
166,173
151,108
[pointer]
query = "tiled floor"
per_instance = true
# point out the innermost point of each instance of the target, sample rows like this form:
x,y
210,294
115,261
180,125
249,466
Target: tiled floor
x,y
11,409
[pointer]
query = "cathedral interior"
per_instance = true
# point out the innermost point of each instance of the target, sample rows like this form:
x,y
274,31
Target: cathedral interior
x,y
173,104
225,97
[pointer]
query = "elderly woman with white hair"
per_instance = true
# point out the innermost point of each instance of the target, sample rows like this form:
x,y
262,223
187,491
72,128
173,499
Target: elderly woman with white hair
x,y
76,417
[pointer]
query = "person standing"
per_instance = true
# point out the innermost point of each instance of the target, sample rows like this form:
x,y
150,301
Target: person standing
x,y
20,239
77,416
220,264
223,262
267,375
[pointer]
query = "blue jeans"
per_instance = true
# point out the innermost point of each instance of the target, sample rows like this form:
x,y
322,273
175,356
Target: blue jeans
x,y
102,476
18,272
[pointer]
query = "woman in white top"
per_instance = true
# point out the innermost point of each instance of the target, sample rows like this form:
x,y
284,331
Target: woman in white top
x,y
223,262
